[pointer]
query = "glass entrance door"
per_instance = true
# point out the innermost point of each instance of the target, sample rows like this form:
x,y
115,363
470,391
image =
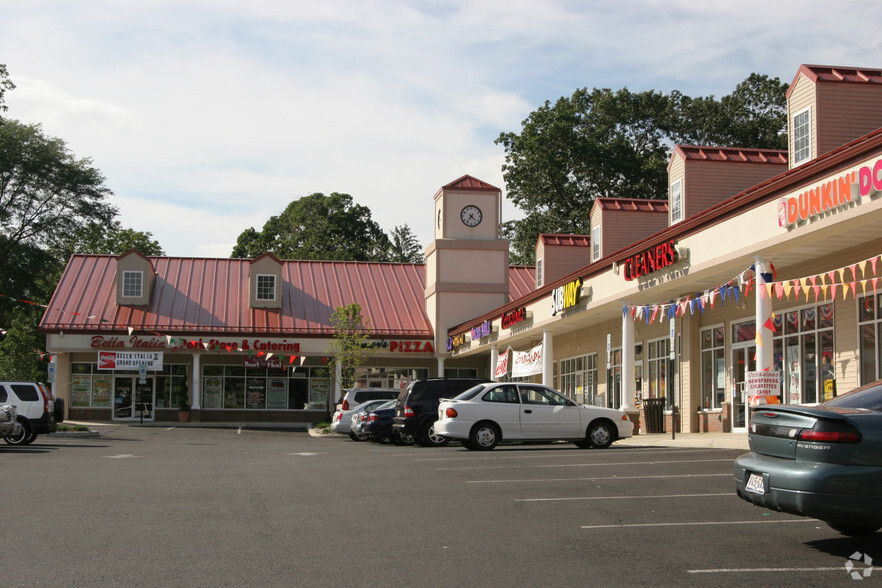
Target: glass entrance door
x,y
743,361
133,400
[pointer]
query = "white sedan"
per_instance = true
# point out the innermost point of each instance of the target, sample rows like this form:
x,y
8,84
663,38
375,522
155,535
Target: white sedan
x,y
483,416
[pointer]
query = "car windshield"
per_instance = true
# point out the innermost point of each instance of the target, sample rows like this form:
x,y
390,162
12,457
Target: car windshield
x,y
471,392
869,397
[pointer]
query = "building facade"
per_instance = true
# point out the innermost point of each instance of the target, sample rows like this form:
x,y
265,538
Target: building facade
x,y
758,273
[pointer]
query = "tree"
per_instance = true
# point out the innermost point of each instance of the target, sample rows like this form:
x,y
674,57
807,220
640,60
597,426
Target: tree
x,y
318,227
5,85
595,143
405,248
45,192
348,348
111,239
601,143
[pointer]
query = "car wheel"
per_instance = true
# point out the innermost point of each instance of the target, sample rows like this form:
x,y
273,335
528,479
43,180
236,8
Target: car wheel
x,y
600,435
24,436
854,530
402,439
484,436
430,439
356,437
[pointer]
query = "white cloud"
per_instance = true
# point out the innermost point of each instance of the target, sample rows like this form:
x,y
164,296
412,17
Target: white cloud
x,y
209,116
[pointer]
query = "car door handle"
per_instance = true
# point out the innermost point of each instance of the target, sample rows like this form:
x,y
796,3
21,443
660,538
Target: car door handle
x,y
528,411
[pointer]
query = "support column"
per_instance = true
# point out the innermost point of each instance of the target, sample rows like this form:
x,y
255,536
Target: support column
x,y
764,348
494,357
196,387
440,367
338,386
547,360
628,390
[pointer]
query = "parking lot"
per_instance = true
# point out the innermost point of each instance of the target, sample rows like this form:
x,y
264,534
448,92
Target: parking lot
x,y
233,507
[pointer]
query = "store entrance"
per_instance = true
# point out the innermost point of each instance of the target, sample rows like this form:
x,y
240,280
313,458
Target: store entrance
x,y
743,361
133,400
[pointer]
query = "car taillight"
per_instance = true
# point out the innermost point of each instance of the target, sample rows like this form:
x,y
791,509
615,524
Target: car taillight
x,y
338,417
345,405
373,418
47,396
831,432
408,412
451,413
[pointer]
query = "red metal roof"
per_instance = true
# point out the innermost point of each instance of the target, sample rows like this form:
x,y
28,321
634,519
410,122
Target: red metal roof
x,y
641,204
468,182
837,74
565,240
733,154
211,295
521,281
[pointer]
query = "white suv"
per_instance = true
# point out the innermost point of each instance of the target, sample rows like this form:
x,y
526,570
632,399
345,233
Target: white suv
x,y
38,411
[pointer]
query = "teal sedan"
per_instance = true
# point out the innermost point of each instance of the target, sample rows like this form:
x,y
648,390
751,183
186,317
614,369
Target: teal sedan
x,y
822,462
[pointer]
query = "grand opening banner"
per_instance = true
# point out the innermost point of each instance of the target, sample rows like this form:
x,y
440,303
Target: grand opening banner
x,y
527,363
130,360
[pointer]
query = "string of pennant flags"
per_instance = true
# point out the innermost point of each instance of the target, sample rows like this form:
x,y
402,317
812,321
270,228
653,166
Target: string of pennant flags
x,y
863,274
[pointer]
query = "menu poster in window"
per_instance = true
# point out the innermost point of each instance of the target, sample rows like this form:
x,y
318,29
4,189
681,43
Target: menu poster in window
x,y
255,393
318,393
80,390
101,386
212,393
276,393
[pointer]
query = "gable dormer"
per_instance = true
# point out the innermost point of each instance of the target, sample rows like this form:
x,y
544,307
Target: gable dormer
x,y
265,282
134,279
559,255
829,106
617,223
701,177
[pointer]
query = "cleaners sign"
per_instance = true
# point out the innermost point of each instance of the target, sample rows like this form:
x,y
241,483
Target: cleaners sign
x,y
651,260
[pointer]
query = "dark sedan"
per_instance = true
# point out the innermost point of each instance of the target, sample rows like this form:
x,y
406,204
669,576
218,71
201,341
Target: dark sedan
x,y
377,425
823,462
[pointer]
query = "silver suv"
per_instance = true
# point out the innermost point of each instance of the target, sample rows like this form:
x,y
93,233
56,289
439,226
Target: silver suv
x,y
9,424
38,411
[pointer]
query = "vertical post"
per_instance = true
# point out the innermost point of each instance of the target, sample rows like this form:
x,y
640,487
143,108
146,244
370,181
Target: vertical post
x,y
338,387
628,390
547,360
440,367
196,388
764,348
494,357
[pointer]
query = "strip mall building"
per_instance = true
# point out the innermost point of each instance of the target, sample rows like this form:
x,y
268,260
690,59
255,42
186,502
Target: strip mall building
x,y
759,271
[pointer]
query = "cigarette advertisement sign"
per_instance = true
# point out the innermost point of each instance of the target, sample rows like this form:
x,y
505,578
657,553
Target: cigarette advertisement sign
x,y
763,383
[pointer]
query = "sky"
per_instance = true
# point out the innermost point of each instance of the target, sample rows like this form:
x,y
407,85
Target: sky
x,y
208,117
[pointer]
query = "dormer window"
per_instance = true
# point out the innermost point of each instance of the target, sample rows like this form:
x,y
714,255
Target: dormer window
x,y
133,284
539,273
676,201
266,287
802,136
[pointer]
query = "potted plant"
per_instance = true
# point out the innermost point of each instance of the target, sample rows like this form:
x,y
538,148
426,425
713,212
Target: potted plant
x,y
184,410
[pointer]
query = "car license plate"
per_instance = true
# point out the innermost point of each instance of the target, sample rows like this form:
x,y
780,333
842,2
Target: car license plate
x,y
755,484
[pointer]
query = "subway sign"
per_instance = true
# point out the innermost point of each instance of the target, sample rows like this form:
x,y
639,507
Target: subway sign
x,y
651,260
566,296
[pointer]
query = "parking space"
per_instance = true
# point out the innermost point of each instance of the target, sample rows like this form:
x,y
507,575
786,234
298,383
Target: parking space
x,y
266,505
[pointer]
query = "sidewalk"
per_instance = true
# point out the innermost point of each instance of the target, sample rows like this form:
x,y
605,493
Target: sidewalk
x,y
711,440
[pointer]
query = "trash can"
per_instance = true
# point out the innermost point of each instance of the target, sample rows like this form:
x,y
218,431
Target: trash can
x,y
654,412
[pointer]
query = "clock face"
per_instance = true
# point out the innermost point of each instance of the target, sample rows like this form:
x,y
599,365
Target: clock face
x,y
471,216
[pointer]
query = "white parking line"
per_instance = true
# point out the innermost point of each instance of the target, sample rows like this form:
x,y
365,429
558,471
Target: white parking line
x,y
546,454
569,498
755,570
524,480
769,522
586,465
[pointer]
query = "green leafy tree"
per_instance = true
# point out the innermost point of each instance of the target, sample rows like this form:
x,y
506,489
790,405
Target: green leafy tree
x,y
46,193
318,227
21,346
405,247
348,348
604,143
5,85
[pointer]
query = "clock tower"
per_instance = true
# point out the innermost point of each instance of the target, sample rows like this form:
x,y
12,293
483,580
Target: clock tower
x,y
467,263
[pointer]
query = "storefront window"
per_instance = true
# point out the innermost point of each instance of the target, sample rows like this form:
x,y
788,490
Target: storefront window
x,y
657,372
578,378
270,388
870,325
713,368
93,388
